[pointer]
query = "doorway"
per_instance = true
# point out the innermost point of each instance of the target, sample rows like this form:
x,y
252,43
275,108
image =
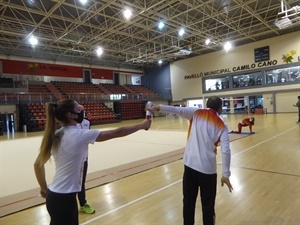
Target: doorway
x,y
87,78
116,78
7,123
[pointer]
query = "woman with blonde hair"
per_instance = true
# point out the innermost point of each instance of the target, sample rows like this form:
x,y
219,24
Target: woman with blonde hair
x,y
66,145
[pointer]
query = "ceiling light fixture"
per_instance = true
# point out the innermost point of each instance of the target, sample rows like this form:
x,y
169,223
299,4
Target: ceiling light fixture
x,y
181,32
161,25
31,2
207,42
33,40
83,1
99,51
227,46
127,14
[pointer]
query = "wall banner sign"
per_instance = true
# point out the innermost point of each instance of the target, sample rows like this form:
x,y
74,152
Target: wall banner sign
x,y
230,70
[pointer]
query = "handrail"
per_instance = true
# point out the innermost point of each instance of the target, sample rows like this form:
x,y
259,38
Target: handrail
x,y
29,97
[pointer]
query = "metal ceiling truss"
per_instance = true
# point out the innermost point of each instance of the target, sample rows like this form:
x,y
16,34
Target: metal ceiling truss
x,y
69,31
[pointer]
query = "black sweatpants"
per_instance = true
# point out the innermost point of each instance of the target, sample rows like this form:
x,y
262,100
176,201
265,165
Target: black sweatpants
x,y
81,194
62,208
192,181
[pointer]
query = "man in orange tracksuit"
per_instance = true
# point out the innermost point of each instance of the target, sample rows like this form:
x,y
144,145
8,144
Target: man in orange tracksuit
x,y
247,122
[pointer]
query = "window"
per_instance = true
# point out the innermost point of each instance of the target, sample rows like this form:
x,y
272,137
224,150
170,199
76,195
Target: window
x,y
217,84
247,80
116,96
257,79
291,74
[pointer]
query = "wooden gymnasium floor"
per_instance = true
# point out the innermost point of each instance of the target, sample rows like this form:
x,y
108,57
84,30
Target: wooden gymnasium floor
x,y
136,180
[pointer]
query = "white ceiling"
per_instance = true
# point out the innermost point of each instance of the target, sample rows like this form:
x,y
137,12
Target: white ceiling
x,y
70,31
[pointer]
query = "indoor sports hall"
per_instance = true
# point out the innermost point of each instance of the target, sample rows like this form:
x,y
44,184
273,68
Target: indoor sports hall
x,y
112,57
137,179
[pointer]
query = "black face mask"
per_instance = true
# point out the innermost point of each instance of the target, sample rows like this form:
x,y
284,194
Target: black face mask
x,y
80,116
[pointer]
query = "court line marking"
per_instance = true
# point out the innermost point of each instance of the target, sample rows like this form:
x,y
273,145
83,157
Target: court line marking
x,y
267,171
130,203
172,184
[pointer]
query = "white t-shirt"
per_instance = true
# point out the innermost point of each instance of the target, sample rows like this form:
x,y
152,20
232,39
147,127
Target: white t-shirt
x,y
205,132
69,158
85,124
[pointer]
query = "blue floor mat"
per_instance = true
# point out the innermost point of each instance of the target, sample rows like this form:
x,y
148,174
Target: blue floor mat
x,y
235,132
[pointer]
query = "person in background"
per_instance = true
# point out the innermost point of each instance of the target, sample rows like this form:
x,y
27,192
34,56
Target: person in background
x,y
246,109
67,145
246,122
298,105
84,207
206,130
89,117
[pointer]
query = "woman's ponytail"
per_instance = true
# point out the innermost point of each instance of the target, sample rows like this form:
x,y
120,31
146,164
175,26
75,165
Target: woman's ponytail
x,y
49,135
